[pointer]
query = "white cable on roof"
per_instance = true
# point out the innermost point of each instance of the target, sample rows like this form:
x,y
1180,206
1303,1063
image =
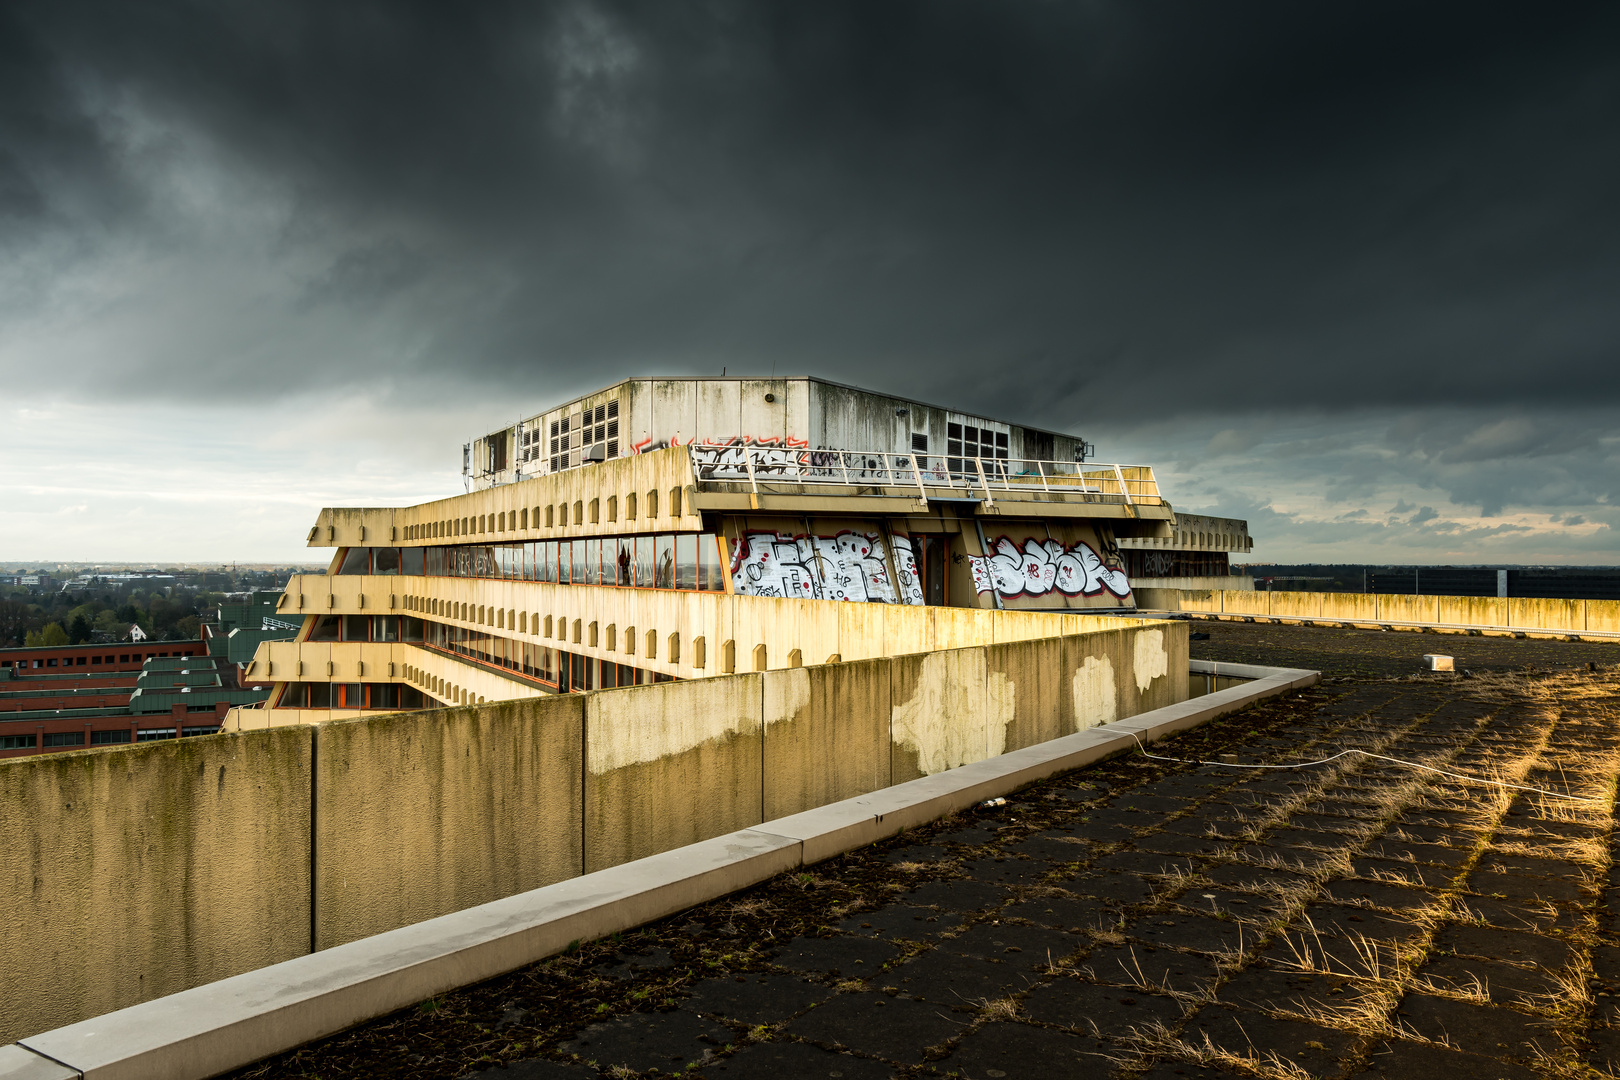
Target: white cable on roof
x,y
1376,757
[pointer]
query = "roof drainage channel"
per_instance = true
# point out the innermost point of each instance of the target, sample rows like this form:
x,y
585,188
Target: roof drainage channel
x,y
224,1025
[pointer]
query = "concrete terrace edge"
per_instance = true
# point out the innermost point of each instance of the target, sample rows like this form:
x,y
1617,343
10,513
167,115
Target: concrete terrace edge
x,y
224,1025
1538,633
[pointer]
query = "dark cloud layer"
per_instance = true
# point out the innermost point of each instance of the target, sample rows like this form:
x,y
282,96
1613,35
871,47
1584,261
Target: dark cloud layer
x,y
1047,208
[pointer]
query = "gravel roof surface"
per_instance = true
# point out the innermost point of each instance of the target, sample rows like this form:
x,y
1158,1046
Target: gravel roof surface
x,y
1144,918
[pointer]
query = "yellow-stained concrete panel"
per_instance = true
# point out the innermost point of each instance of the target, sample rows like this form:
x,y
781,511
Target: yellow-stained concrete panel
x,y
670,764
826,735
131,873
422,814
1563,615
1473,610
946,709
1418,609
1602,616
1039,673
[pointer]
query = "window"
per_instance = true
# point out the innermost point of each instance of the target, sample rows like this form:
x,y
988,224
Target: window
x,y
623,554
593,562
326,628
412,561
154,734
385,561
919,442
645,560
16,742
356,627
385,628
686,566
666,562
356,561
64,738
709,563
106,738
192,732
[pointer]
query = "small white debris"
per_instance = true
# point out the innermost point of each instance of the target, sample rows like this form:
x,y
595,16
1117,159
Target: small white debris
x,y
1436,662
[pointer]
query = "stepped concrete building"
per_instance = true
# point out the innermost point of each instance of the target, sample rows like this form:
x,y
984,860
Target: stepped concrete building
x,y
668,529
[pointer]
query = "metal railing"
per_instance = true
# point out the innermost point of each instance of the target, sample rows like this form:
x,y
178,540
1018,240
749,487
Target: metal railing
x,y
942,475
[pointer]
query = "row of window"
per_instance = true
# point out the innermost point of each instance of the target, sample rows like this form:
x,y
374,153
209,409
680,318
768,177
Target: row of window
x,y
556,668
87,661
689,561
102,738
319,695
384,628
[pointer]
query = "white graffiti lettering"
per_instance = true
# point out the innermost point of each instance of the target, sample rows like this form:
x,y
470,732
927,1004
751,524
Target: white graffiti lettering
x,y
905,566
848,566
1044,566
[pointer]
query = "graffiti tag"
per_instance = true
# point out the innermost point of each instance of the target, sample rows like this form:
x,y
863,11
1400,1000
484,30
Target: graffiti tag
x,y
905,565
1044,566
848,566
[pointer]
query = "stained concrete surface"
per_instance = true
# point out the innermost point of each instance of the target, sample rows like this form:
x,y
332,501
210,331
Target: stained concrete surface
x,y
1148,919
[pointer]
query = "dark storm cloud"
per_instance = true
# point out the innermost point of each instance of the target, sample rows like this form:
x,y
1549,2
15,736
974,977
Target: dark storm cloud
x,y
1050,209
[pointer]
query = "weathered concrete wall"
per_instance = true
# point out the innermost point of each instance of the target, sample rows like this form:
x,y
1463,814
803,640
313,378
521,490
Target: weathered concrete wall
x,y
137,872
423,814
951,708
826,735
132,873
669,765
1553,616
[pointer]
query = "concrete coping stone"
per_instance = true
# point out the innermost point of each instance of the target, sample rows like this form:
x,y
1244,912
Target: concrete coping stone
x,y
224,1025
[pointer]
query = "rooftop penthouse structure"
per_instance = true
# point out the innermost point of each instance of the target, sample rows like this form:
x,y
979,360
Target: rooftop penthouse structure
x,y
657,529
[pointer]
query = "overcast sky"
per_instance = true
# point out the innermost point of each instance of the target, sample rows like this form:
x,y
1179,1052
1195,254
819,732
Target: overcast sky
x,y
1349,271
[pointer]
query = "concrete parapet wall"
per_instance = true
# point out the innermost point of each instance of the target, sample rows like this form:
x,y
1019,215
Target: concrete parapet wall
x,y
669,765
129,874
423,814
1516,613
132,873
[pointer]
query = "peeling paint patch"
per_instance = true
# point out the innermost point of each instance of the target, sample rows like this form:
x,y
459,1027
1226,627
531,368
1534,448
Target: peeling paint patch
x,y
1095,700
787,695
657,722
943,724
1151,661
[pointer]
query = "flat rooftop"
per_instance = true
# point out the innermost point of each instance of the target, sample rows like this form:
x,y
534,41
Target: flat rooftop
x,y
1144,918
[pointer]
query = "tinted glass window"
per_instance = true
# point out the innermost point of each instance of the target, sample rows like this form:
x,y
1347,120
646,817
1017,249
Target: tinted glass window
x,y
622,554
385,561
579,562
411,561
385,628
326,629
356,628
410,629
645,559
666,561
709,563
593,562
320,695
686,571
356,561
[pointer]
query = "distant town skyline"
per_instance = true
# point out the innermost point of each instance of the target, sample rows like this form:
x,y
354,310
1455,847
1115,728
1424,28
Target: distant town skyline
x,y
1348,274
